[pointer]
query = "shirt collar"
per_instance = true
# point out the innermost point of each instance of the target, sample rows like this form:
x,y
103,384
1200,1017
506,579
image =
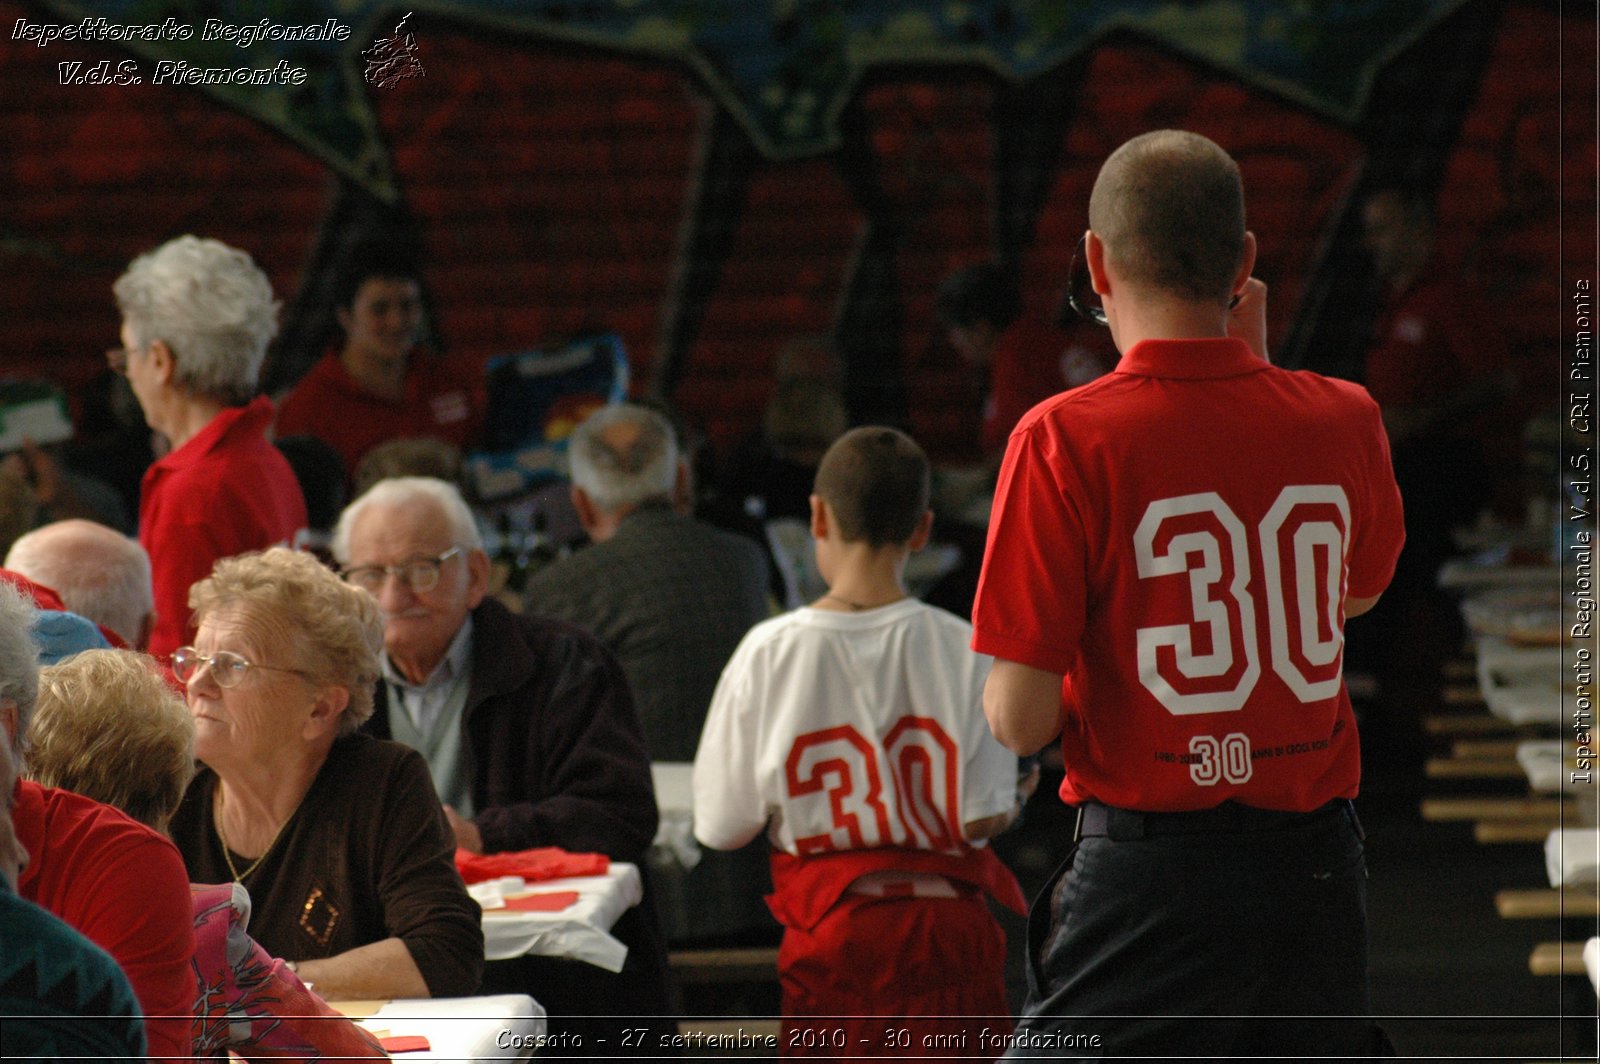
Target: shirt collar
x,y
1205,359
234,422
456,658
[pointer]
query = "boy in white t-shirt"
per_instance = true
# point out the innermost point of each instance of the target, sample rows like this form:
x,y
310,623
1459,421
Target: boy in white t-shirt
x,y
852,732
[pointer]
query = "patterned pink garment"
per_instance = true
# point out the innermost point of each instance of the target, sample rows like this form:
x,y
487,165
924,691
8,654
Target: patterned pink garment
x,y
250,1003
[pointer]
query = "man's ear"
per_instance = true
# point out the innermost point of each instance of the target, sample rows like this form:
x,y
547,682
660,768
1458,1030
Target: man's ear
x,y
1247,263
683,489
9,721
1094,254
342,316
478,566
588,513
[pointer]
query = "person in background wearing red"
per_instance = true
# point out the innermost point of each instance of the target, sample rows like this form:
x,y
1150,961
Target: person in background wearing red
x,y
378,386
980,308
197,316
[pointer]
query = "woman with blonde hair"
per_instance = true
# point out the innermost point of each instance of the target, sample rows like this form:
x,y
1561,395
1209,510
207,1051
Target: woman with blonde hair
x,y
339,837
108,727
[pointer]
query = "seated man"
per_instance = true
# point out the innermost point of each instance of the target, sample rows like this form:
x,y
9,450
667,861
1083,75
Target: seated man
x,y
62,996
116,881
527,726
669,596
98,572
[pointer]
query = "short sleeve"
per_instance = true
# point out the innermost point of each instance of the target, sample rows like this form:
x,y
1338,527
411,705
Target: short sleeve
x,y
1030,604
728,810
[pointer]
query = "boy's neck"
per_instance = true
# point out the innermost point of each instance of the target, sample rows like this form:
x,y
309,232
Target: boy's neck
x,y
865,578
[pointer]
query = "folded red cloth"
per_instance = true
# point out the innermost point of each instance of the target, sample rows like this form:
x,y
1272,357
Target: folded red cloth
x,y
545,862
551,901
405,1043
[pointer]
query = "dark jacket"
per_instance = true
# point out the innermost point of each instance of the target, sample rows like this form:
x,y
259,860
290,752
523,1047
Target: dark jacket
x,y
553,747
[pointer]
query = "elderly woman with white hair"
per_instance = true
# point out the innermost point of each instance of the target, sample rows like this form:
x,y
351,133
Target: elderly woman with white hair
x,y
197,316
339,837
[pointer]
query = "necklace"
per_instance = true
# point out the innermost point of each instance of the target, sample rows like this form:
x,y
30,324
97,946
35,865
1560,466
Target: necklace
x,y
858,606
216,824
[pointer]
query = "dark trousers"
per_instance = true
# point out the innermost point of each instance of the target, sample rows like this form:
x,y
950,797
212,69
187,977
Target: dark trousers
x,y
1204,944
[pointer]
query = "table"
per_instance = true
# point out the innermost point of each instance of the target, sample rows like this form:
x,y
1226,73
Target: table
x,y
502,1027
582,931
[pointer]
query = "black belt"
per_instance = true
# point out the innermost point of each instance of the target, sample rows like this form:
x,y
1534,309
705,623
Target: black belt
x,y
1125,825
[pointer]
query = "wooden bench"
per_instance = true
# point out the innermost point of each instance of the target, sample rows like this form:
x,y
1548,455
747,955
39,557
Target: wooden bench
x,y
1557,958
1551,809
1547,904
757,964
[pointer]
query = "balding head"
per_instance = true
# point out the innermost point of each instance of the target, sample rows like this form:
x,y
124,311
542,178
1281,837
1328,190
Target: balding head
x,y
1169,208
98,572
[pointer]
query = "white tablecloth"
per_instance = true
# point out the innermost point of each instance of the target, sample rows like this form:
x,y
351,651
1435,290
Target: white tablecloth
x,y
1519,684
582,931
1572,856
502,1027
1551,768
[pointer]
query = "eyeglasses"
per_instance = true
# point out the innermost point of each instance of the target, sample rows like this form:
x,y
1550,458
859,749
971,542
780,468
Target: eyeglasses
x,y
227,668
421,575
1081,295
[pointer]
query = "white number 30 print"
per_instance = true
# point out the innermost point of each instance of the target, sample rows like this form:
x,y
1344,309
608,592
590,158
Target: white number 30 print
x,y
1304,539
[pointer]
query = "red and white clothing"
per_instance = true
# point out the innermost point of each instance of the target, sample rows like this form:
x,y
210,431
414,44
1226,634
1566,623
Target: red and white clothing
x,y
441,401
224,492
820,711
123,887
1178,539
857,740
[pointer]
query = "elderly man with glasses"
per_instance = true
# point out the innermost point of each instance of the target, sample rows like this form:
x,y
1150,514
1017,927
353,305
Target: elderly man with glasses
x,y
527,725
197,316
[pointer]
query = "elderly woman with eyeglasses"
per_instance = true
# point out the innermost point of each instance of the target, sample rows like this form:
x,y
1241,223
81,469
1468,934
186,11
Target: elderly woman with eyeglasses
x,y
339,837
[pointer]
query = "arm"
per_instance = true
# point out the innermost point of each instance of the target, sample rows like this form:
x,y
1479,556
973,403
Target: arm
x,y
1355,607
436,948
585,777
382,969
1023,706
728,808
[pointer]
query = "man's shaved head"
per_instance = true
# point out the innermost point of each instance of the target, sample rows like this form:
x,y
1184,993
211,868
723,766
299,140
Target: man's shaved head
x,y
1169,207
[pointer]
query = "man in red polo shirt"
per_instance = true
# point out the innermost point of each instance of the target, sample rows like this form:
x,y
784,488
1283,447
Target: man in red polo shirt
x,y
197,316
378,387
1173,552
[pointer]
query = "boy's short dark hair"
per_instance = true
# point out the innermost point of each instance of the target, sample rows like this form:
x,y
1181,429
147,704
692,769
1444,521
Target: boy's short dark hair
x,y
877,482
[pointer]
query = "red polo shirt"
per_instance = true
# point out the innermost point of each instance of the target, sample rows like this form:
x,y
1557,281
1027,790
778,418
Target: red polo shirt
x,y
226,491
440,401
1178,539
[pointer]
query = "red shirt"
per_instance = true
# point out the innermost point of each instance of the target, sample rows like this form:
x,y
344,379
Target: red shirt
x,y
333,406
1178,539
224,492
124,888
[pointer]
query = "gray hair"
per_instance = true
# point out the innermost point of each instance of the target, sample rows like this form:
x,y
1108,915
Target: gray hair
x,y
98,572
19,661
398,491
620,473
211,305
